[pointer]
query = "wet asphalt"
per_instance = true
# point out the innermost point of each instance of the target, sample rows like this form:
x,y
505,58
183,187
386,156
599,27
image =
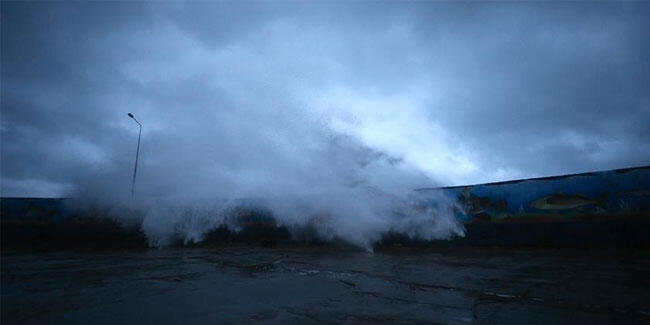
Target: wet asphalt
x,y
311,285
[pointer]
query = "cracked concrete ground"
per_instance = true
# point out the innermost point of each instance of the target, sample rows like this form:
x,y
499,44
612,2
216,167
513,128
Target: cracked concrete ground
x,y
282,285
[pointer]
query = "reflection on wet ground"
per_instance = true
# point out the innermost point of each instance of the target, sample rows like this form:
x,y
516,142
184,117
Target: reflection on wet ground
x,y
246,284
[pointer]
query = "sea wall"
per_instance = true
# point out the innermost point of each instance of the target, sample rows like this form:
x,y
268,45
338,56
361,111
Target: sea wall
x,y
598,209
614,194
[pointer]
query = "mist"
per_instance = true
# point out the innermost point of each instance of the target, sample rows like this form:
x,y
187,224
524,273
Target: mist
x,y
287,161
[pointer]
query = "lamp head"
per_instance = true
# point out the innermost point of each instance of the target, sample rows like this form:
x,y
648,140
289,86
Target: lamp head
x,y
130,115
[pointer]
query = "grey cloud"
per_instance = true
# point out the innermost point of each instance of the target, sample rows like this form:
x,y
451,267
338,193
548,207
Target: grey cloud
x,y
531,89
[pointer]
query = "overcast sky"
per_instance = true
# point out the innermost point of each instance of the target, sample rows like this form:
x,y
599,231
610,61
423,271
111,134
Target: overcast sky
x,y
463,92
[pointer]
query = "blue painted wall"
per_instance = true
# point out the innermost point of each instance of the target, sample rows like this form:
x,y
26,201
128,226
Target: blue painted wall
x,y
622,193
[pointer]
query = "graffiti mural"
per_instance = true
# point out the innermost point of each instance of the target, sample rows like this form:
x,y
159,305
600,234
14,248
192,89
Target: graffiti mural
x,y
621,193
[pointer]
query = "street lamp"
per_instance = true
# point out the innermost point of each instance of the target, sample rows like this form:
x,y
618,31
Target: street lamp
x,y
137,153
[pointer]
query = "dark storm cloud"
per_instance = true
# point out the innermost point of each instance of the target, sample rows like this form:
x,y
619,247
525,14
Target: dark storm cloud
x,y
51,84
467,92
561,88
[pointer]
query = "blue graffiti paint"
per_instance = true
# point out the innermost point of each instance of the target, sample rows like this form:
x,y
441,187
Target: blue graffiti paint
x,y
621,193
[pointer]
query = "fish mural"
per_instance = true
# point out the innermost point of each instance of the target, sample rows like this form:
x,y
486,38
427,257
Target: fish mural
x,y
561,201
613,194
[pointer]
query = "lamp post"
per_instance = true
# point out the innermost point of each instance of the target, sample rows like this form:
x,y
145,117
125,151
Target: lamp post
x,y
137,153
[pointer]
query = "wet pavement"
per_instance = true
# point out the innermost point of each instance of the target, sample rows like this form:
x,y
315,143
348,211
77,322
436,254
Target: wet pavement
x,y
245,284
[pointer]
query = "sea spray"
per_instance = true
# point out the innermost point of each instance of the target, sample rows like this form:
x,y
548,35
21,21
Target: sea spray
x,y
289,162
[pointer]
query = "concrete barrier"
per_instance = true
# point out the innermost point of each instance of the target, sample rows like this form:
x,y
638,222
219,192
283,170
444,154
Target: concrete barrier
x,y
598,209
